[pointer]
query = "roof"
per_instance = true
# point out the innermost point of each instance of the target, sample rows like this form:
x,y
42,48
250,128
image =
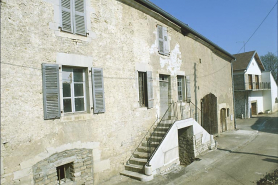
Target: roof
x,y
243,60
185,27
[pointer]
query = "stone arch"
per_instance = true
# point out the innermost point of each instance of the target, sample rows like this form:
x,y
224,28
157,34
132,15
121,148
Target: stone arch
x,y
209,113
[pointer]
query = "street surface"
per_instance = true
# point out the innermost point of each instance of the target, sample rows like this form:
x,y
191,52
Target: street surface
x,y
242,157
247,164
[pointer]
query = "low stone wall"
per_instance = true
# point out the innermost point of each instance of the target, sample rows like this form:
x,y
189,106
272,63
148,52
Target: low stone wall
x,y
80,160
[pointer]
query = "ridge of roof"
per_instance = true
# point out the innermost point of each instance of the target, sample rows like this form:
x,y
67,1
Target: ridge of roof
x,y
243,60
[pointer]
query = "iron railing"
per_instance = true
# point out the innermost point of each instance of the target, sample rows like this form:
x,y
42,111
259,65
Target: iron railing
x,y
252,86
161,130
174,113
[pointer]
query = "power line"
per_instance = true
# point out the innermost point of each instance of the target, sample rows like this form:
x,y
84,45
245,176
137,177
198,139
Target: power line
x,y
258,26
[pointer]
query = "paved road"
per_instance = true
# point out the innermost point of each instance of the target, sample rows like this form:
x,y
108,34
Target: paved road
x,y
242,157
247,164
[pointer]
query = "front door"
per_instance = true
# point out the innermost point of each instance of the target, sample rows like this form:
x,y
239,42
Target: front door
x,y
254,108
209,114
164,94
223,120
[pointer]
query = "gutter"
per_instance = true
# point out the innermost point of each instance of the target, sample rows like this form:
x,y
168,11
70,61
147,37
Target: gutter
x,y
184,26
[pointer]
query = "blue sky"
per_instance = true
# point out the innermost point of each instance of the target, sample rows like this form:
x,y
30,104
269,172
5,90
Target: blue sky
x,y
228,23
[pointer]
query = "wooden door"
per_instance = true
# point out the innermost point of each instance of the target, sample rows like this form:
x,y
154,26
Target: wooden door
x,y
223,120
254,108
250,81
209,114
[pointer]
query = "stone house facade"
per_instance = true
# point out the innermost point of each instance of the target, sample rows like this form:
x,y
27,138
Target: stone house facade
x,y
84,80
255,88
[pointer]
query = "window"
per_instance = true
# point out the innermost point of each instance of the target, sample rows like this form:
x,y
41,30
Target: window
x,y
74,93
145,88
142,80
180,85
73,16
163,44
228,112
65,173
74,99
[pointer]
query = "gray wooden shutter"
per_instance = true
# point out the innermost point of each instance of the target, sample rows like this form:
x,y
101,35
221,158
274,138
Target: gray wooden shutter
x,y
183,89
79,17
51,94
66,15
188,93
165,41
150,89
160,39
98,90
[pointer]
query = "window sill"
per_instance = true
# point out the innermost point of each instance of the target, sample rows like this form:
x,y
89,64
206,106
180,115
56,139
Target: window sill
x,y
76,116
72,36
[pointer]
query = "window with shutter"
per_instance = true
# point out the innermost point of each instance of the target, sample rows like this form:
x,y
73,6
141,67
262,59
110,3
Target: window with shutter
x,y
51,98
98,90
145,86
142,84
150,89
73,16
181,89
163,43
74,97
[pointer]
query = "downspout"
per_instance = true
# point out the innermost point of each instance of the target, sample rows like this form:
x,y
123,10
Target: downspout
x,y
232,68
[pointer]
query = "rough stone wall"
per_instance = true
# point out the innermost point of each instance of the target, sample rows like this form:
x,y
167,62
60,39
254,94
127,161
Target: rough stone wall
x,y
239,82
121,40
186,149
240,104
44,172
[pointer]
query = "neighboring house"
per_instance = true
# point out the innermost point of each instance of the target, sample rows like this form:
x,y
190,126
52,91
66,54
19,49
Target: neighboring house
x,y
255,88
83,82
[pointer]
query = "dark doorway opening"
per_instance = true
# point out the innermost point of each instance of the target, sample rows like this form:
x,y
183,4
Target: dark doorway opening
x,y
254,108
186,149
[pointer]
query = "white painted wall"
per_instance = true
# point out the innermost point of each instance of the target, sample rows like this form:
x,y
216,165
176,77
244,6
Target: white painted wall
x,y
274,93
253,68
270,95
168,151
257,96
267,100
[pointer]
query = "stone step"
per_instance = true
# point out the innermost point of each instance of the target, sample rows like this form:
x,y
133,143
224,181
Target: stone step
x,y
144,149
161,128
141,155
134,168
153,144
137,176
154,138
159,133
138,161
167,121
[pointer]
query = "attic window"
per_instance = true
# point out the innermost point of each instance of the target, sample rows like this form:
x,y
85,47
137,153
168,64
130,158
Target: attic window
x,y
65,173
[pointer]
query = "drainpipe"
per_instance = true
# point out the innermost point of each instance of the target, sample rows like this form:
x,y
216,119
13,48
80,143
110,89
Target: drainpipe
x,y
232,62
195,89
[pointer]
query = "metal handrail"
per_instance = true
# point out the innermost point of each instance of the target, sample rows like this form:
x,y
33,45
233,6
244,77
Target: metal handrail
x,y
142,140
151,153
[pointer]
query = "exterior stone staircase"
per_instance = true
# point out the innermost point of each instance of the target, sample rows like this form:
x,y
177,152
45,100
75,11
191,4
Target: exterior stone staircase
x,y
135,166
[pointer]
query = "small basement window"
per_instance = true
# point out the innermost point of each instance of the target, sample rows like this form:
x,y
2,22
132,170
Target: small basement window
x,y
65,173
